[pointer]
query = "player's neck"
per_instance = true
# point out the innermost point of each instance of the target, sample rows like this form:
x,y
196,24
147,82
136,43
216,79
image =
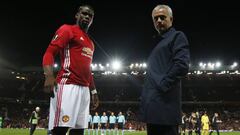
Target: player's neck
x,y
84,28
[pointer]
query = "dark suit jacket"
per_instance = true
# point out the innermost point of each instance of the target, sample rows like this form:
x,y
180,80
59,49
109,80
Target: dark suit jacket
x,y
161,95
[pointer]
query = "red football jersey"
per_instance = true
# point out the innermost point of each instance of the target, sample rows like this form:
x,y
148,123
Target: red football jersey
x,y
76,52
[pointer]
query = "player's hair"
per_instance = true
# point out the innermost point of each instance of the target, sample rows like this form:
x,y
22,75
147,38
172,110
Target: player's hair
x,y
85,5
166,7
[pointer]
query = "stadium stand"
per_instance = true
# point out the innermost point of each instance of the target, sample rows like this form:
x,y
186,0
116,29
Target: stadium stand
x,y
212,90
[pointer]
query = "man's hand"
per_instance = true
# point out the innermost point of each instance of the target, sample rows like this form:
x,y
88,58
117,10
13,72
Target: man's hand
x,y
49,84
95,101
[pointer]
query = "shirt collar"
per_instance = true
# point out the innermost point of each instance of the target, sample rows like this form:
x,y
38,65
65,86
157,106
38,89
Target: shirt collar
x,y
168,32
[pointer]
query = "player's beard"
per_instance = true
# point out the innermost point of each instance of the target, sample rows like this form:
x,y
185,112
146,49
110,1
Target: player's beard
x,y
84,25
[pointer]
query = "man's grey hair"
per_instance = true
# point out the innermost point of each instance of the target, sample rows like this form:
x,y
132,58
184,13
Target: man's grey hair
x,y
166,7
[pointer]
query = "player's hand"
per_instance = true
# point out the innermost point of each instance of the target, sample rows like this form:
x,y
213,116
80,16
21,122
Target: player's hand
x,y
49,84
95,102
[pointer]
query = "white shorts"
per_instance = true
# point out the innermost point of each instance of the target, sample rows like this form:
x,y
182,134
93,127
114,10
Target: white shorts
x,y
69,107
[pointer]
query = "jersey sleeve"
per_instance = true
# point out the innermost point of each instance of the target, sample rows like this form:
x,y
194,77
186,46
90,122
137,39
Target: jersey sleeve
x,y
60,40
62,36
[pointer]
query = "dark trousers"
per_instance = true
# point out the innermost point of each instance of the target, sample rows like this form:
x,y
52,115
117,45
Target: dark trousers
x,y
95,125
89,125
183,129
120,126
198,131
103,126
32,128
190,132
111,126
155,129
217,130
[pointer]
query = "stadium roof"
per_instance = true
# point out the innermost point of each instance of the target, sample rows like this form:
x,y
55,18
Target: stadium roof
x,y
122,28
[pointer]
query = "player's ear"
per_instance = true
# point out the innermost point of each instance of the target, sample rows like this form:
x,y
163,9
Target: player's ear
x,y
77,15
171,18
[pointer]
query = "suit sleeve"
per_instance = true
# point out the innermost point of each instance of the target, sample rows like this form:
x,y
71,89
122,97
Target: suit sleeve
x,y
181,59
60,40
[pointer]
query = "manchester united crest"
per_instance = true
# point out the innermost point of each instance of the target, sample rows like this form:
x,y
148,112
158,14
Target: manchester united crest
x,y
65,118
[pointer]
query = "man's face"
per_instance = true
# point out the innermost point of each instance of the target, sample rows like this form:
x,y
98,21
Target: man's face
x,y
161,19
85,17
193,115
37,109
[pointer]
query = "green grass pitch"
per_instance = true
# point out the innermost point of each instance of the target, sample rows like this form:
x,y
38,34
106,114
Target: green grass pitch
x,y
44,132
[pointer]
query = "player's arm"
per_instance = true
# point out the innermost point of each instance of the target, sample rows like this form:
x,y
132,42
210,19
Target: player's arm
x,y
60,40
106,121
124,120
201,121
91,120
48,61
99,121
32,115
95,99
49,78
219,121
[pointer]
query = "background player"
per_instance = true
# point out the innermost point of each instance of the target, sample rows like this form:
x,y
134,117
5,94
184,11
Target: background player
x,y
34,120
